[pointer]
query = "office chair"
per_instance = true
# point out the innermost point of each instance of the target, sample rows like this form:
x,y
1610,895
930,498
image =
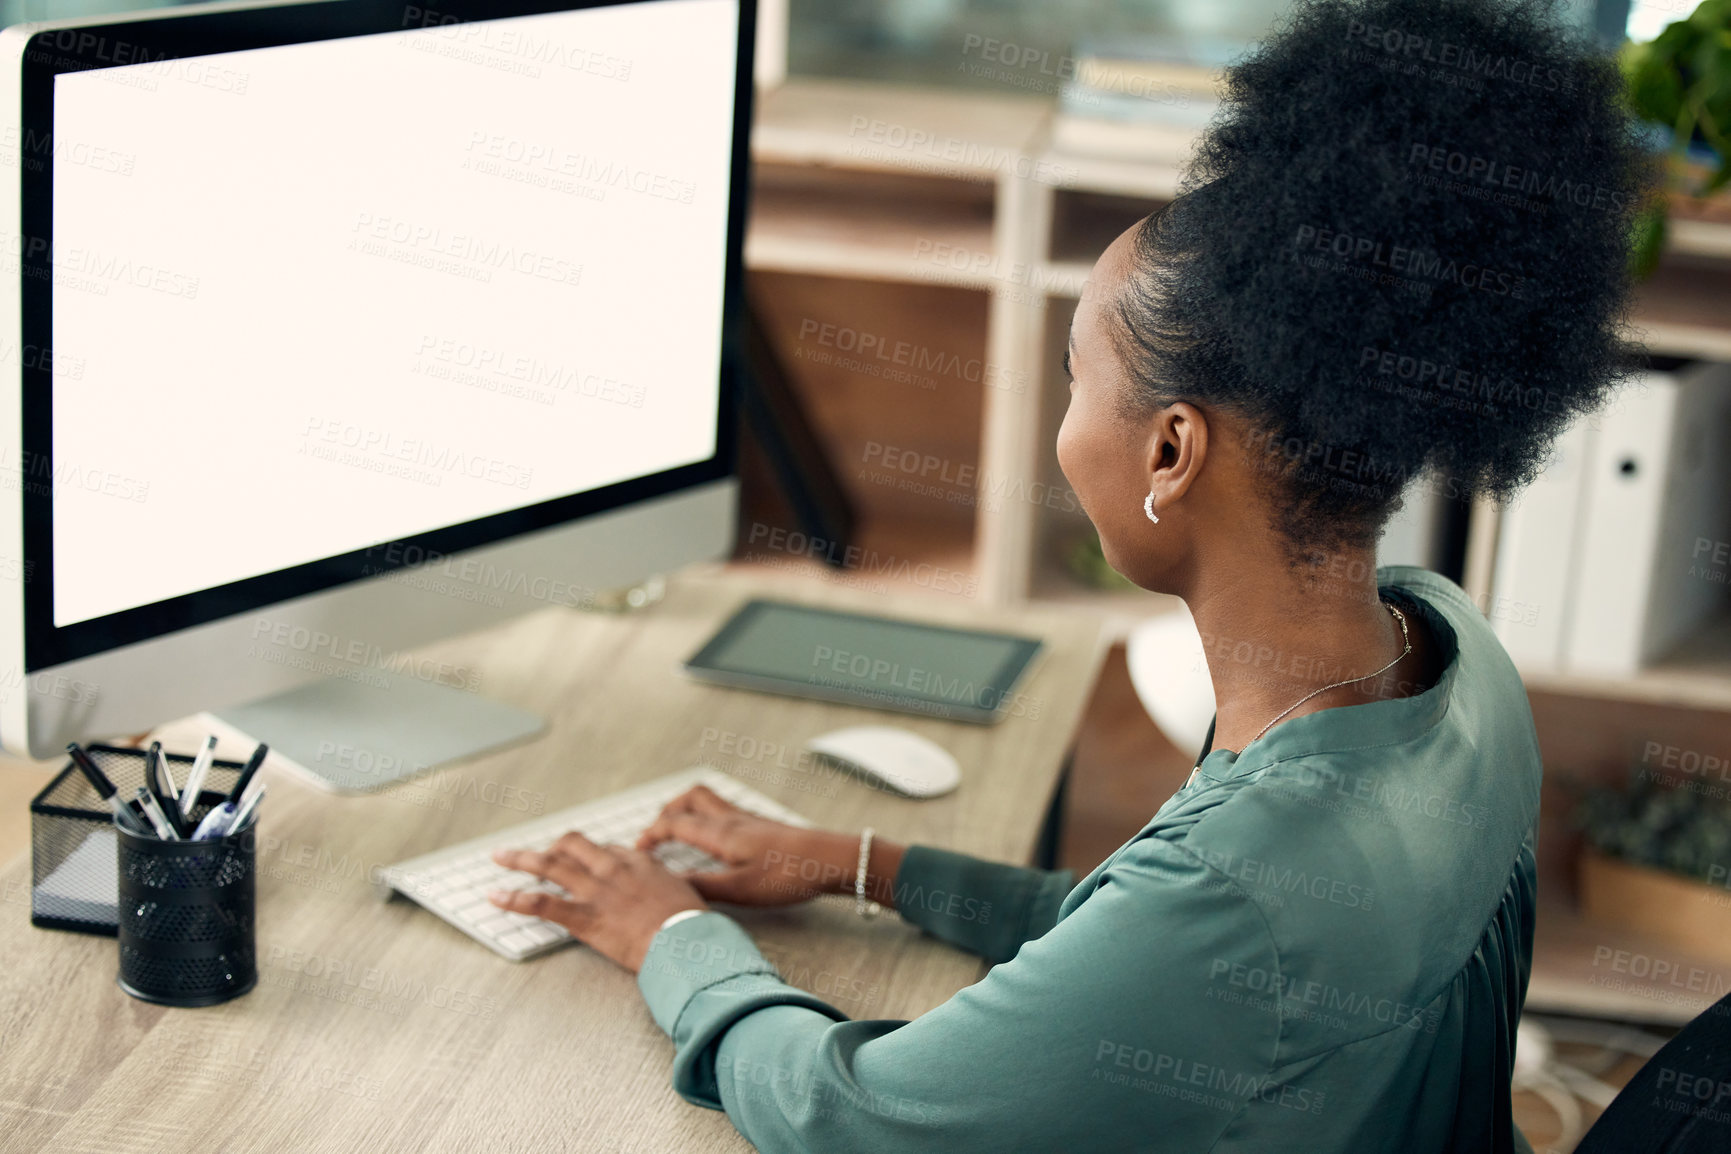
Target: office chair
x,y
1680,1101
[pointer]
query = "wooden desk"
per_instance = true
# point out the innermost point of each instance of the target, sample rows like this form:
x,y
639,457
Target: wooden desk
x,y
375,1026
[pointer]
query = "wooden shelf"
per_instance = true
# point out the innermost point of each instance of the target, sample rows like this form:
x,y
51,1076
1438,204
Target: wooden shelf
x,y
1155,179
1682,311
1674,340
1709,238
1084,222
1696,676
864,126
1683,308
1584,968
908,229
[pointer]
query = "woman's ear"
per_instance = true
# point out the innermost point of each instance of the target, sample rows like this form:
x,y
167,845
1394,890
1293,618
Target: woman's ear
x,y
1177,451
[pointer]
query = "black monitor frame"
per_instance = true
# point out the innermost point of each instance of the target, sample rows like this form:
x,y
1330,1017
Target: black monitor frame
x,y
52,52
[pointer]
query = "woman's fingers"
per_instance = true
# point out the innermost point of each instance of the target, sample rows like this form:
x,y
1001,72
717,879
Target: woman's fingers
x,y
702,799
538,904
658,830
699,801
618,897
598,860
695,829
563,871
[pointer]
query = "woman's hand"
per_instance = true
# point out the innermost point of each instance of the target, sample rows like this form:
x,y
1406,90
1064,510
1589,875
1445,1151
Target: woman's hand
x,y
618,897
767,863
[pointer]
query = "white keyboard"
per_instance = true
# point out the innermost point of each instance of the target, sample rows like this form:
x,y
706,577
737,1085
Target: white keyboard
x,y
454,882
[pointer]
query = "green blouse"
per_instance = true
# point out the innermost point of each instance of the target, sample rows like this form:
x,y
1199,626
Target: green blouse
x,y
1318,944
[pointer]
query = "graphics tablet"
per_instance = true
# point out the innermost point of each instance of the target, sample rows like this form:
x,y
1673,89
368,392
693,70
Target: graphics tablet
x,y
856,659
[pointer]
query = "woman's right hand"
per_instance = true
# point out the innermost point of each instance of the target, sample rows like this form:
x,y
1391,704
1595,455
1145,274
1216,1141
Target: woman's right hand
x,y
766,862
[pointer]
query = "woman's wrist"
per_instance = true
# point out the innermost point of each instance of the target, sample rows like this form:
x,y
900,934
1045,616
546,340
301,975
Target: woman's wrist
x,y
678,916
837,864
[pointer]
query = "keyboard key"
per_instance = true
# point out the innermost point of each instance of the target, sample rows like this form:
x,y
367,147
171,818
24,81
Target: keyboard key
x,y
492,920
473,909
518,940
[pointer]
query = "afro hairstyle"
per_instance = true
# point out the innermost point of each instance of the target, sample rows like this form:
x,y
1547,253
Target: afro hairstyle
x,y
1399,252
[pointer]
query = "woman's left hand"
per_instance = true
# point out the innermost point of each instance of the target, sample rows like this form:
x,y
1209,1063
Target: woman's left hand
x,y
619,896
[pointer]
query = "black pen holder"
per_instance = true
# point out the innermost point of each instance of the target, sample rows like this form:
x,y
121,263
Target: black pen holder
x,y
72,837
186,916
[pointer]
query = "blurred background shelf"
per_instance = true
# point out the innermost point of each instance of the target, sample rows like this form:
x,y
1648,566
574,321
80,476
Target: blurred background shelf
x,y
871,226
1685,309
856,124
1697,675
1710,238
1155,179
1584,968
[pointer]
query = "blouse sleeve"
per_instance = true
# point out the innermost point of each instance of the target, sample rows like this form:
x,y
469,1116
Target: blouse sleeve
x,y
1096,1029
983,907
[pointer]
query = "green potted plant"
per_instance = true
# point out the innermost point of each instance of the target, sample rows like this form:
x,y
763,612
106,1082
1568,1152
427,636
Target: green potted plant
x,y
1658,860
1682,79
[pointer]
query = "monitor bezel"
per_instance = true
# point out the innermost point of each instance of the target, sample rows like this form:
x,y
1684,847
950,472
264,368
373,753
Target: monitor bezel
x,y
180,35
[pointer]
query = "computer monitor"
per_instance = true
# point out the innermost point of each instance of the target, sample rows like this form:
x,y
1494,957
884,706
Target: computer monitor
x,y
335,328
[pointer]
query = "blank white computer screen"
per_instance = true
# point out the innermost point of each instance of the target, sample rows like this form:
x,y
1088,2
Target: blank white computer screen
x,y
315,297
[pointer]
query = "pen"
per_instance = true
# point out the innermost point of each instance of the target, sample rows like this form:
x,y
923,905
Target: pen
x,y
158,820
134,817
105,789
245,778
169,791
245,811
215,823
98,780
195,777
166,803
227,817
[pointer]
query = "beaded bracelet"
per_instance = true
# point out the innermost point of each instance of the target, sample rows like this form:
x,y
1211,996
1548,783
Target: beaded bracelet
x,y
863,907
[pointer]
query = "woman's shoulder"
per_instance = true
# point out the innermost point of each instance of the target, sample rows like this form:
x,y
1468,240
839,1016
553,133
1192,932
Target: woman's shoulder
x,y
1420,579
1370,906
1475,656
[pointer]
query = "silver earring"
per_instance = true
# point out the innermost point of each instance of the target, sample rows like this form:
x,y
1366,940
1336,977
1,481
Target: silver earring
x,y
1148,508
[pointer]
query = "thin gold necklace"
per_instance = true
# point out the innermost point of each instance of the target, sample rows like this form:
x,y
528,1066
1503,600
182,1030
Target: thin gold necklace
x,y
1406,648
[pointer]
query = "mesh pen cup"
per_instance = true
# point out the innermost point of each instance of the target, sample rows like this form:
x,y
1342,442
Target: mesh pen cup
x,y
72,837
186,917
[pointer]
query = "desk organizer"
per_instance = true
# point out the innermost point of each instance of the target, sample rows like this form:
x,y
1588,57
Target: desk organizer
x,y
73,850
186,916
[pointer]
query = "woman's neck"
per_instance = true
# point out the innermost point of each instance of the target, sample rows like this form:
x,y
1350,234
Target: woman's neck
x,y
1272,634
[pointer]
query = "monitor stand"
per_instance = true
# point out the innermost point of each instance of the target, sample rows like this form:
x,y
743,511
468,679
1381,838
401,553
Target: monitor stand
x,y
353,738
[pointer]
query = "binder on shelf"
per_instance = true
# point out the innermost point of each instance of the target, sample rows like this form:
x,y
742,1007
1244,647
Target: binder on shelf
x,y
1538,547
1657,482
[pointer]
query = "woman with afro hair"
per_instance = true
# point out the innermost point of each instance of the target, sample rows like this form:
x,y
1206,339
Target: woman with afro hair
x,y
1397,259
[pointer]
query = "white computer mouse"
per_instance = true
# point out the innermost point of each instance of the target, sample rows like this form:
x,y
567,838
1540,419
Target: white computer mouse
x,y
894,758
